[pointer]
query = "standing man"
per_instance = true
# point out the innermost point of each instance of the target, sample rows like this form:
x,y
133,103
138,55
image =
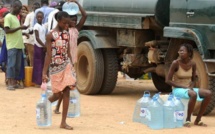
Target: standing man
x,y
45,9
14,43
29,21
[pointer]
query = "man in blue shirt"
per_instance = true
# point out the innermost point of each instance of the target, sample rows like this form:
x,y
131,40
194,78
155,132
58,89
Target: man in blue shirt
x,y
45,9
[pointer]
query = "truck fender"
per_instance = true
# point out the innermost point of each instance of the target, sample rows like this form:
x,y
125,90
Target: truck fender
x,y
99,39
189,34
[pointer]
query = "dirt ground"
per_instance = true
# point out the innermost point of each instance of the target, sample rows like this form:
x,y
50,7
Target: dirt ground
x,y
107,114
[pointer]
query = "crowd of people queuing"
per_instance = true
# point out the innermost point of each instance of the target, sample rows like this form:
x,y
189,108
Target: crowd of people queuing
x,y
44,38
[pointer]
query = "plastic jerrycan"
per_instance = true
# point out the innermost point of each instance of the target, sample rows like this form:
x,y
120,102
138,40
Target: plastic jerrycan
x,y
169,113
137,110
74,104
144,112
179,112
155,114
43,111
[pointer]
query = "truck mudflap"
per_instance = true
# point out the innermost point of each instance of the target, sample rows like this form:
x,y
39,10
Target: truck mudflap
x,y
189,34
98,39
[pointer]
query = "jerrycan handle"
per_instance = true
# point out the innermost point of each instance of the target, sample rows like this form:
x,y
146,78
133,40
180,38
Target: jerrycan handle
x,y
171,93
146,94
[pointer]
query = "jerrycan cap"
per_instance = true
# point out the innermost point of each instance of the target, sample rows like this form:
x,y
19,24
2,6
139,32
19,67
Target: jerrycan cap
x,y
43,95
177,98
169,98
158,94
171,95
155,98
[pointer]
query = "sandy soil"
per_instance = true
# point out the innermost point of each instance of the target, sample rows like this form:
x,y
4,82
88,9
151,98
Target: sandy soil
x,y
99,114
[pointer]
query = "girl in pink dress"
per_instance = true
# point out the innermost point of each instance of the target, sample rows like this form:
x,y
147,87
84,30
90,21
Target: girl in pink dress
x,y
73,35
57,60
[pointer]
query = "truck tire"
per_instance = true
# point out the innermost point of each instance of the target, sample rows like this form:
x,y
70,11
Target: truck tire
x,y
110,71
160,84
89,69
203,82
212,101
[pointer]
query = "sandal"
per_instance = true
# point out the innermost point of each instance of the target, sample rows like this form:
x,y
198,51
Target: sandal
x,y
11,88
200,123
187,124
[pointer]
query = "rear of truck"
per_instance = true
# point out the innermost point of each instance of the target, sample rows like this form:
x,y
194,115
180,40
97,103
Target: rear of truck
x,y
142,36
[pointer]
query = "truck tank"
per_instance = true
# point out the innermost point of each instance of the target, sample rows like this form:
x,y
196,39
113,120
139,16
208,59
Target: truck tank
x,y
157,8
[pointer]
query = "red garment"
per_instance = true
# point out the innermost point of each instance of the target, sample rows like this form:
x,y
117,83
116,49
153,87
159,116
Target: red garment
x,y
2,11
19,17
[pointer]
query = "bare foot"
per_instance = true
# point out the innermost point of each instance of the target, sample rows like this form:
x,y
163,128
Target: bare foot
x,y
66,127
57,112
200,123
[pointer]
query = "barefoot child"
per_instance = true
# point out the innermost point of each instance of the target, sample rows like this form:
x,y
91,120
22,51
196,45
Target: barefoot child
x,y
57,60
184,72
73,32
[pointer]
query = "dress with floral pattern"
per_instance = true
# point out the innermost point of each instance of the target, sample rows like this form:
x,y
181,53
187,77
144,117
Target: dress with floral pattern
x,y
60,69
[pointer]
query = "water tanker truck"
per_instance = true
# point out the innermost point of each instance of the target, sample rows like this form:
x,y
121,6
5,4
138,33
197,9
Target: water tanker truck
x,y
142,36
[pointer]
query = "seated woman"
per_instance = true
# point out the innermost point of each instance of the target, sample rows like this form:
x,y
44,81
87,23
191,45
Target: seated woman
x,y
181,76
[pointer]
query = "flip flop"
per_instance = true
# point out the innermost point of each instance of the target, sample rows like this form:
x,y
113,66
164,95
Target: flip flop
x,y
187,124
11,88
200,123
